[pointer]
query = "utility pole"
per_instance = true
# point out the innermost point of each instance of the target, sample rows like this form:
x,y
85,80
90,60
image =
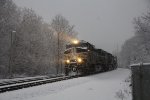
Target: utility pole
x,y
58,53
10,54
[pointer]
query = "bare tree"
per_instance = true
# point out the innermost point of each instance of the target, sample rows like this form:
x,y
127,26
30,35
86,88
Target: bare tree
x,y
9,17
64,32
31,43
137,48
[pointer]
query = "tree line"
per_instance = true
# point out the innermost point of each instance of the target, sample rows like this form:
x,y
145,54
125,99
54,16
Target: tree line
x,y
137,48
28,45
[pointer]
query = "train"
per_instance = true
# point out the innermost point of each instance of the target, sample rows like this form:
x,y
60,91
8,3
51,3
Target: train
x,y
82,58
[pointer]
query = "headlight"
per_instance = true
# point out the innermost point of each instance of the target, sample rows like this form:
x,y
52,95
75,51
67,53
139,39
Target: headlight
x,y
75,42
68,61
79,60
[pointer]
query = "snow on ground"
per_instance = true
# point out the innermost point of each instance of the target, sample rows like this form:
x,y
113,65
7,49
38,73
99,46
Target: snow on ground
x,y
103,86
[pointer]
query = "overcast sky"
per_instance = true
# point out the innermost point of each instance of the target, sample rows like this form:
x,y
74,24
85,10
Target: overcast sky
x,y
105,23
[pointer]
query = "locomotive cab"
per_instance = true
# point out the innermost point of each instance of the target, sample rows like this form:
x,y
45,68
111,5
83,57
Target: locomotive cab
x,y
75,57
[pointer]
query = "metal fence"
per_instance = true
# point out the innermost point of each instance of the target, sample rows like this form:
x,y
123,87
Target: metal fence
x,y
141,81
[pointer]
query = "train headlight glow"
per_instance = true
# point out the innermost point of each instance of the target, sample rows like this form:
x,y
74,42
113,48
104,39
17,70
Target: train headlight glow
x,y
79,60
75,41
68,61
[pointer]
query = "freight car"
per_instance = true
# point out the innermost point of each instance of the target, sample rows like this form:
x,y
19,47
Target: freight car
x,y
81,58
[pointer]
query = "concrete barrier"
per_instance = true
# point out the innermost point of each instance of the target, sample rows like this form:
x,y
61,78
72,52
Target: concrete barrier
x,y
141,81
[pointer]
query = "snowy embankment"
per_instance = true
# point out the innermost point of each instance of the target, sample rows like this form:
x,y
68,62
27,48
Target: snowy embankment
x,y
103,86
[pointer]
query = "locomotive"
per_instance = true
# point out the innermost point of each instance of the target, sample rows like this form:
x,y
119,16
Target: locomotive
x,y
82,58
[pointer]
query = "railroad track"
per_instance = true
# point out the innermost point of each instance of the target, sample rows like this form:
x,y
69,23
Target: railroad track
x,y
15,81
25,83
30,83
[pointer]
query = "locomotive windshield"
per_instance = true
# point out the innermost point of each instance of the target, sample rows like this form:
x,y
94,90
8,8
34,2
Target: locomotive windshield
x,y
78,47
77,50
83,45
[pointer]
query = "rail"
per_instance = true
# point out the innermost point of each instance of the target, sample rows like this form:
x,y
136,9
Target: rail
x,y
25,84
